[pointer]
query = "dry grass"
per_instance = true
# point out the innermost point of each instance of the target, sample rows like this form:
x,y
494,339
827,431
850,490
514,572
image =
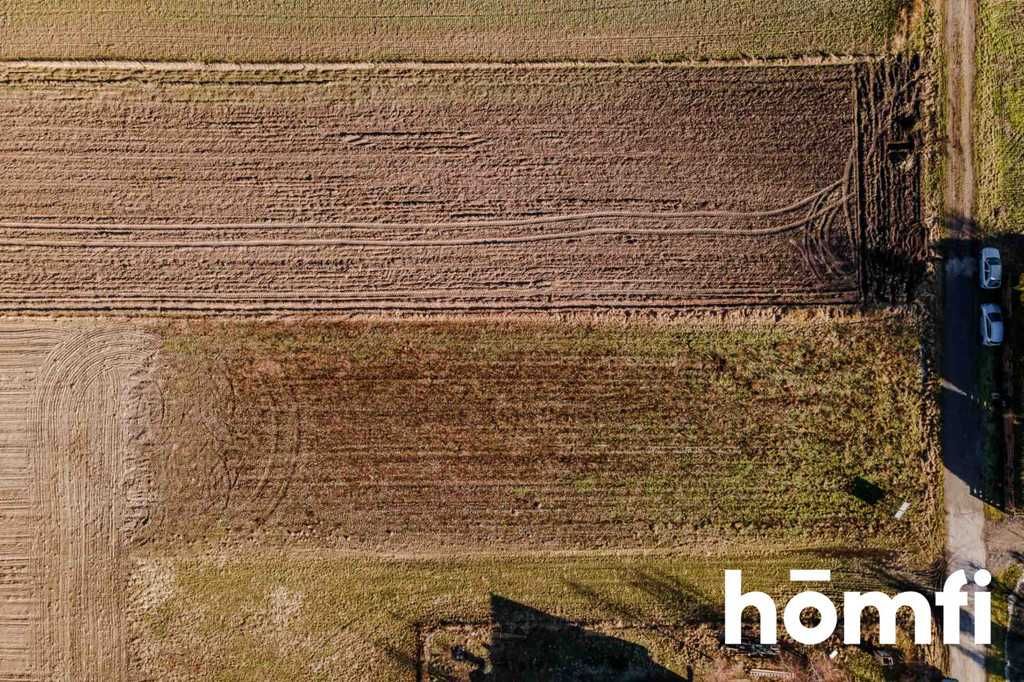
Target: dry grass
x,y
279,617
314,30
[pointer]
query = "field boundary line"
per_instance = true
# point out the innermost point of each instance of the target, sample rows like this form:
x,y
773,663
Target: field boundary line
x,y
229,67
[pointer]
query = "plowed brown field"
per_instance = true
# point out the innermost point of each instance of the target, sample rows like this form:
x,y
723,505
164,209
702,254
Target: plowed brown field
x,y
444,188
321,497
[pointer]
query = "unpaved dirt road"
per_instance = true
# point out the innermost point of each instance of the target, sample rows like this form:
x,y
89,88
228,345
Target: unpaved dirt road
x,y
962,430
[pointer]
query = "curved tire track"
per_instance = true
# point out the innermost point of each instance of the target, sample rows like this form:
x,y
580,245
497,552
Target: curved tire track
x,y
92,488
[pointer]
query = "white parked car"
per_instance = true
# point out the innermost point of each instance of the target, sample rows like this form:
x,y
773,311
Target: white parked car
x,y
991,325
991,269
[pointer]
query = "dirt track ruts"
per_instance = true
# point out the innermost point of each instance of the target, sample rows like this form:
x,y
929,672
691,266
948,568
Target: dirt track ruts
x,y
23,349
91,487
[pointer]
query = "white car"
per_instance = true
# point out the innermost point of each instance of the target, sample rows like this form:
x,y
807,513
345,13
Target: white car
x,y
991,269
991,325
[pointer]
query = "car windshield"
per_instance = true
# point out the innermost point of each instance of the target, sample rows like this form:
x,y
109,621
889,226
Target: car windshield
x,y
992,261
995,317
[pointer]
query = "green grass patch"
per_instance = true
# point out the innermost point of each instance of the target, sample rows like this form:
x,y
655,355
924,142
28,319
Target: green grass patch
x,y
547,435
999,116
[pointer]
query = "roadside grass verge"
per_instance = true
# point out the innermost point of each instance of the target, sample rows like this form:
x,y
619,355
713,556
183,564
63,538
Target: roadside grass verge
x,y
999,151
1002,587
999,117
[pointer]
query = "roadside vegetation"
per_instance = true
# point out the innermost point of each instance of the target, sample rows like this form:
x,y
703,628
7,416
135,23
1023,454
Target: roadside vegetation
x,y
999,116
999,149
1002,587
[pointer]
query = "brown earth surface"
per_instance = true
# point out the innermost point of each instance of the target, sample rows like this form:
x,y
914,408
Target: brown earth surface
x,y
23,350
73,490
141,458
445,188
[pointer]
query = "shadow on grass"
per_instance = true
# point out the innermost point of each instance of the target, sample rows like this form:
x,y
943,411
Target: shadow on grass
x,y
1010,368
528,645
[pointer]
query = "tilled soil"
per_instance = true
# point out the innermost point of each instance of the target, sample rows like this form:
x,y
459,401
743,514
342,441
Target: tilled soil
x,y
442,188
23,350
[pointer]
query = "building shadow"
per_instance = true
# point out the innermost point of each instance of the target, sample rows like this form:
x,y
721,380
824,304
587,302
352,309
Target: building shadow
x,y
528,645
1007,412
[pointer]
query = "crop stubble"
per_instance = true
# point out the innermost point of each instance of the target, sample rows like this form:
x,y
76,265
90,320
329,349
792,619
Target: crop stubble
x,y
441,188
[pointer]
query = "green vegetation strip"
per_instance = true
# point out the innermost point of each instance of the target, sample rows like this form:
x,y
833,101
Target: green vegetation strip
x,y
999,116
1002,587
999,150
452,30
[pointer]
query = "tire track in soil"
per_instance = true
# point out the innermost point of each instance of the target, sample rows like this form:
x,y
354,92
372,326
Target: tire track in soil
x,y
92,489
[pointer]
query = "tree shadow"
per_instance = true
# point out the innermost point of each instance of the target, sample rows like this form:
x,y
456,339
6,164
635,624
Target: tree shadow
x,y
963,412
866,491
974,414
1010,368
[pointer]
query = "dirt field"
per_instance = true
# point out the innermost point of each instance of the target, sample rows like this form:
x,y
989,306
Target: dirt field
x,y
457,30
334,492
456,188
73,491
23,350
425,482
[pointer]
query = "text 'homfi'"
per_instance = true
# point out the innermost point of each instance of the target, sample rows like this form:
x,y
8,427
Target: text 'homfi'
x,y
951,599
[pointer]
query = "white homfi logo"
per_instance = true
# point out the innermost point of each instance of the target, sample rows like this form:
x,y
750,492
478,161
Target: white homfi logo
x,y
951,599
